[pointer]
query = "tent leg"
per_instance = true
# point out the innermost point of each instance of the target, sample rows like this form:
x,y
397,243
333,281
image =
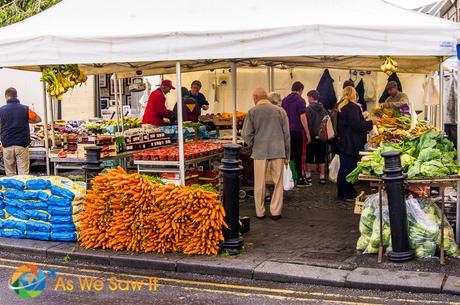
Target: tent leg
x,y
457,219
269,79
272,78
113,79
53,136
441,94
234,99
45,124
120,104
180,126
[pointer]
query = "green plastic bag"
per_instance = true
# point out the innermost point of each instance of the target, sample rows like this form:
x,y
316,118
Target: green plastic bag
x,y
295,176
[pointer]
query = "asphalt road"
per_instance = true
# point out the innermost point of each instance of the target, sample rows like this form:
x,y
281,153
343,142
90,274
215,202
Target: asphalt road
x,y
87,285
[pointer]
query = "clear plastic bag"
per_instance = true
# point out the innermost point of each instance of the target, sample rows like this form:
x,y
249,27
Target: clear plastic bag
x,y
424,221
334,169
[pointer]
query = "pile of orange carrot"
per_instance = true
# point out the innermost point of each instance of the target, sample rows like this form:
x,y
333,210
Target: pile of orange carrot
x,y
127,212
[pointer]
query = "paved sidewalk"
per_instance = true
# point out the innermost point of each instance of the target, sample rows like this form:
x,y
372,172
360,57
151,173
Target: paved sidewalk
x,y
314,242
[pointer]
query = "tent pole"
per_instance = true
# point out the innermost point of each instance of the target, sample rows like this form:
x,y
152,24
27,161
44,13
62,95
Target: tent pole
x,y
234,99
457,219
45,124
53,138
272,78
120,104
269,79
180,126
115,88
441,94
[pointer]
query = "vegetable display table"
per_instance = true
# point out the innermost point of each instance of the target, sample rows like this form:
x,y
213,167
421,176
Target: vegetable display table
x,y
441,182
77,163
151,166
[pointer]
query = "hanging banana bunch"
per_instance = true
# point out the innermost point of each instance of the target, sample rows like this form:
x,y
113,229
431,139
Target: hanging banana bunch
x,y
390,66
60,79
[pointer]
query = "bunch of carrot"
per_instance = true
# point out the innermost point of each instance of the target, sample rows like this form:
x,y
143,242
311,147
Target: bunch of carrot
x,y
127,212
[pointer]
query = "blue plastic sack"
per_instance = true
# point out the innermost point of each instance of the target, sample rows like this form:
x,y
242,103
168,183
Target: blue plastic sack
x,y
38,184
70,236
60,219
24,195
38,226
16,212
42,196
59,201
2,214
11,183
38,235
10,202
60,211
2,204
33,205
12,233
11,223
38,215
62,192
65,227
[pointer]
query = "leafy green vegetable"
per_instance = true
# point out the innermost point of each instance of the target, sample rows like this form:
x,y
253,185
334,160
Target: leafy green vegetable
x,y
430,155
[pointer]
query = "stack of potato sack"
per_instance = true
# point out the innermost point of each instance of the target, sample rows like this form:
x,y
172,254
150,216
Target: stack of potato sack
x,y
43,208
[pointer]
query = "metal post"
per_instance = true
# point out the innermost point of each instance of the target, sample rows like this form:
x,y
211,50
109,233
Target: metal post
x,y
269,79
115,89
120,104
97,102
230,170
441,94
457,219
180,126
45,124
234,99
53,137
92,164
272,78
394,182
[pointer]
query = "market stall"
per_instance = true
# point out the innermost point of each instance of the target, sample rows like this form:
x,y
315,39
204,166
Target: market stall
x,y
428,161
146,41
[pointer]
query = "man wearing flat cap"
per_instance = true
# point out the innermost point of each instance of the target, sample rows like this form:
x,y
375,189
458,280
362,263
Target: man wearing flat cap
x,y
397,99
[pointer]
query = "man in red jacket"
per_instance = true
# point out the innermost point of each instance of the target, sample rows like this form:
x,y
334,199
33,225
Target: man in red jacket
x,y
156,110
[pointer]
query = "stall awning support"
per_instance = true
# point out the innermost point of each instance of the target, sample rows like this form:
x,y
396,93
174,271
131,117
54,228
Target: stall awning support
x,y
441,94
457,219
234,99
45,125
180,126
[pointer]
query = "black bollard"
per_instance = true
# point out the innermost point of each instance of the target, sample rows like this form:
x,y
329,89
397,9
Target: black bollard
x,y
231,169
92,165
394,182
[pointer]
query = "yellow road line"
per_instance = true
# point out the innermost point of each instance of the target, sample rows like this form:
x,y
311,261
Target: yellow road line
x,y
231,286
279,297
235,293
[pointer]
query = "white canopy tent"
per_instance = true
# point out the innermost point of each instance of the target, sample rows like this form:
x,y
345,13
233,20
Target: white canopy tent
x,y
157,37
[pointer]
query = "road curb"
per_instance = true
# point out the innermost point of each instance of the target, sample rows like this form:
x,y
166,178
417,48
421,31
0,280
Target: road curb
x,y
244,266
382,279
287,272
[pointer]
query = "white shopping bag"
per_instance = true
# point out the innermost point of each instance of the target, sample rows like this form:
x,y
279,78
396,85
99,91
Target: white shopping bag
x,y
334,168
288,182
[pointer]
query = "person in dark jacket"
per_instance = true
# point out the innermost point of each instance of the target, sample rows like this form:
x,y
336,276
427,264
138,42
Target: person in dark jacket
x,y
190,108
326,91
352,129
15,133
316,150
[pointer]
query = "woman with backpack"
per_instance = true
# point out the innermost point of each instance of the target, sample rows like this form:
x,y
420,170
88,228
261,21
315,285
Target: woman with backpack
x,y
316,150
352,129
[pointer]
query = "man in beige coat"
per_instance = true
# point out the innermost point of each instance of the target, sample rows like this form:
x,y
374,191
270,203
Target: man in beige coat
x,y
266,131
